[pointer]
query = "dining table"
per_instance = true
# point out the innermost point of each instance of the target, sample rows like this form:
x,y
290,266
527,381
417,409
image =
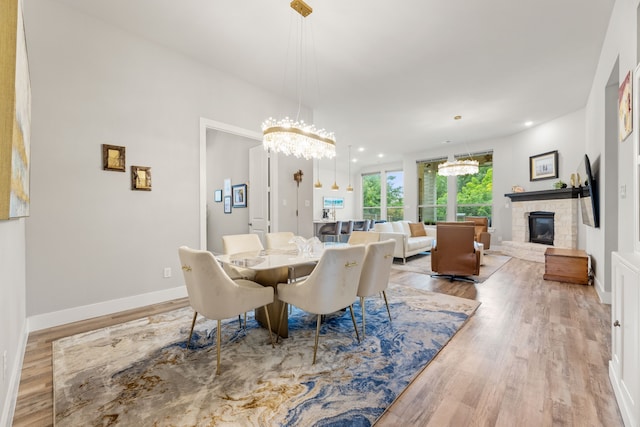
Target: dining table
x,y
273,266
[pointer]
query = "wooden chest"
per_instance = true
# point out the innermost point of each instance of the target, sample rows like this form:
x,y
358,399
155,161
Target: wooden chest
x,y
566,265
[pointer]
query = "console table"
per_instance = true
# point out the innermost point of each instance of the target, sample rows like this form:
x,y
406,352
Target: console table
x,y
566,265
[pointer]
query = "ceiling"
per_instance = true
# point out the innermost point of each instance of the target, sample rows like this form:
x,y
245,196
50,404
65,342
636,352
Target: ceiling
x,y
390,76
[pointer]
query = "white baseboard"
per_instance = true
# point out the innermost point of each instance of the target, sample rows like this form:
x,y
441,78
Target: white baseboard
x,y
56,318
9,405
605,297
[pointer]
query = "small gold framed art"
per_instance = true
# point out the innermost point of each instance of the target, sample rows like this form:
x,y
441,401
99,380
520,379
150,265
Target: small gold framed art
x,y
141,178
113,158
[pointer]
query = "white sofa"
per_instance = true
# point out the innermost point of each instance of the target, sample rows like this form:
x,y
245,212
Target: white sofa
x,y
406,245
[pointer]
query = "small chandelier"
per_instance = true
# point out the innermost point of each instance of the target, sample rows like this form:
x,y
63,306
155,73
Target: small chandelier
x,y
458,167
349,187
335,186
318,184
295,137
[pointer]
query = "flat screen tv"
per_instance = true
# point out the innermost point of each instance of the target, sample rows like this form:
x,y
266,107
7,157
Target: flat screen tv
x,y
589,202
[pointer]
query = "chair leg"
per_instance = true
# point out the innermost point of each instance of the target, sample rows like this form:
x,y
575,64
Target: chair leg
x,y
240,321
218,346
315,347
353,319
363,319
384,294
284,304
195,314
269,326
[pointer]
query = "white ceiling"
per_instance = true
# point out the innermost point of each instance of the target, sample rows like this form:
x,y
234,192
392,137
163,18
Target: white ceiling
x,y
391,75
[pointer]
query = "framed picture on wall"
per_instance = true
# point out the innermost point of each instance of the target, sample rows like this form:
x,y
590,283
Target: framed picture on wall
x,y
625,108
239,194
227,204
217,196
113,158
333,203
141,178
543,166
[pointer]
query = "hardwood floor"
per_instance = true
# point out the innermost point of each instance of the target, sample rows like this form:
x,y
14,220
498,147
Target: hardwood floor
x,y
535,354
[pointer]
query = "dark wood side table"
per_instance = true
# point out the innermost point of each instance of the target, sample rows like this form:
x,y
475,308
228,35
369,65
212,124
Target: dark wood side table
x,y
566,265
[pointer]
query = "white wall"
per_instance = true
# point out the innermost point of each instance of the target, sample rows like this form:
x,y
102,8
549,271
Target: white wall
x,y
90,238
619,51
290,197
12,311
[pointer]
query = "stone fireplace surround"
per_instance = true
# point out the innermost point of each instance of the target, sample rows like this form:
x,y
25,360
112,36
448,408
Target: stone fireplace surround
x,y
563,202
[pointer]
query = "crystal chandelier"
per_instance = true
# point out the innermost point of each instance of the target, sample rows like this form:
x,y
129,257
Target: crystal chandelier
x,y
295,137
458,167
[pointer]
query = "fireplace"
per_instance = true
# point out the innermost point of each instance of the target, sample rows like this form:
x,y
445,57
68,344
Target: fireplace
x,y
541,227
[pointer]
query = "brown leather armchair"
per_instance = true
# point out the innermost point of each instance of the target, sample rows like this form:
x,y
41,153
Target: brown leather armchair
x,y
482,230
454,254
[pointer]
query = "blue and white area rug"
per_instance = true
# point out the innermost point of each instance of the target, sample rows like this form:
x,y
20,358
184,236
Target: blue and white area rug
x,y
140,374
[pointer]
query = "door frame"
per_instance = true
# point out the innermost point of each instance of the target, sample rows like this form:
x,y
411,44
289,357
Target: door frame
x,y
206,124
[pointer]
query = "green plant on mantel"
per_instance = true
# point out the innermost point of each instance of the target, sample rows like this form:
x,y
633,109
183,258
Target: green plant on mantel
x,y
558,185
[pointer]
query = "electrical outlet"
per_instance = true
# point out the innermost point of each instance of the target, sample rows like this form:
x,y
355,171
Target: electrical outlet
x,y
167,272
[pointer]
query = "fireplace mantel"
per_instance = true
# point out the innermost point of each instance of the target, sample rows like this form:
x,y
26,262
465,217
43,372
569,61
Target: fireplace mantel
x,y
562,193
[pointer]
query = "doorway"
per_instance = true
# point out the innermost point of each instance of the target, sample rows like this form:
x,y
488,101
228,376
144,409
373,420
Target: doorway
x,y
220,142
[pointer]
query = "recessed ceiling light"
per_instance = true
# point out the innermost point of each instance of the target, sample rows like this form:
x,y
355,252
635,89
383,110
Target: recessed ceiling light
x,y
528,123
458,117
354,160
380,155
361,149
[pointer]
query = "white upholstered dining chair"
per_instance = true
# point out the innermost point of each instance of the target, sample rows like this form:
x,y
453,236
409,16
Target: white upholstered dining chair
x,y
280,240
239,243
213,294
283,240
332,286
375,274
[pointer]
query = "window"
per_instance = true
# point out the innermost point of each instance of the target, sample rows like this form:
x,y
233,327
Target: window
x,y
383,195
371,191
432,192
395,196
473,193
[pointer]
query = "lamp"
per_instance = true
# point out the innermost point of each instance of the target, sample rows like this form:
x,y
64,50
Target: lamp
x,y
349,187
335,187
458,167
295,137
318,184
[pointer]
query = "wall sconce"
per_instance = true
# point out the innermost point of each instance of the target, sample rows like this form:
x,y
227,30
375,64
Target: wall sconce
x,y
297,177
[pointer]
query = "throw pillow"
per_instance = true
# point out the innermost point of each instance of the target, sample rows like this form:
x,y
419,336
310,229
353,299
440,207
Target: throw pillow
x,y
417,229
